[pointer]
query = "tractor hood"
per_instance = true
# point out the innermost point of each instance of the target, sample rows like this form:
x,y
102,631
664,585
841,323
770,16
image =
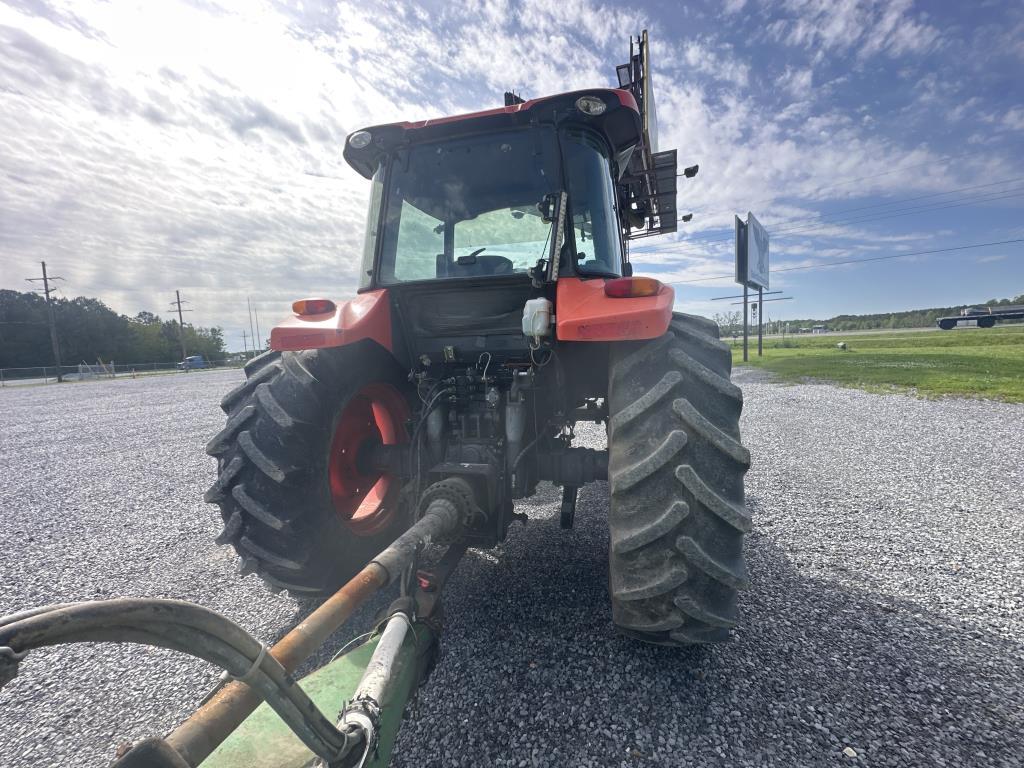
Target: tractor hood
x,y
619,123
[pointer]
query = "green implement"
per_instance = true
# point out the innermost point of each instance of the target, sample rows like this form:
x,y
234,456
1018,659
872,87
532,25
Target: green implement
x,y
264,741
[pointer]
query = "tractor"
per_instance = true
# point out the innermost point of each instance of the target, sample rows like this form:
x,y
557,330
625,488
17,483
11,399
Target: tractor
x,y
496,310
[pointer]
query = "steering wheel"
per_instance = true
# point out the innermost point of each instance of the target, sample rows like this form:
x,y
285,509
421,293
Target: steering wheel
x,y
471,258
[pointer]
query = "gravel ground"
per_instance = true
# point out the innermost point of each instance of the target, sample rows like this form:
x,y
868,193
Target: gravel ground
x,y
885,617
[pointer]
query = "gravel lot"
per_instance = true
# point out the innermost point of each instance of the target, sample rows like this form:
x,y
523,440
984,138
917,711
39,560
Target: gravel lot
x,y
885,617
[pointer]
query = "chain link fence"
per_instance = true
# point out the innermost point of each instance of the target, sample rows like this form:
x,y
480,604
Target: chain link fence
x,y
47,374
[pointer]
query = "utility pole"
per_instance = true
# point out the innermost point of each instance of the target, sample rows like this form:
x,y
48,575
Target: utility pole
x,y
259,340
178,301
47,290
244,345
746,328
252,331
760,318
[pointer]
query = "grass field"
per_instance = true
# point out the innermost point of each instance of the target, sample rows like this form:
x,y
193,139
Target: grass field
x,y
970,362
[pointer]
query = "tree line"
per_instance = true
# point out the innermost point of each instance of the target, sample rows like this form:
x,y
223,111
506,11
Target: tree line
x,y
88,330
914,318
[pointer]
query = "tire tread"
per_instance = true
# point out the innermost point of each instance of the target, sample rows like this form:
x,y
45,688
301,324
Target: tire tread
x,y
676,468
272,456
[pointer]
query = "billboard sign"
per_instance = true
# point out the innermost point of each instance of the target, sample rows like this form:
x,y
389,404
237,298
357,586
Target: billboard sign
x,y
751,253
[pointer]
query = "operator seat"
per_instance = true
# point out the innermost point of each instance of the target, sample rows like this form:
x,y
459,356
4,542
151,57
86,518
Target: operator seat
x,y
481,266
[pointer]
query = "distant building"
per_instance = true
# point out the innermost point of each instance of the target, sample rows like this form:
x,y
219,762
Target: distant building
x,y
819,329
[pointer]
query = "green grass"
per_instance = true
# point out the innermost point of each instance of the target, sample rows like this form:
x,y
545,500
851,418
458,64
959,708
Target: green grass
x,y
972,362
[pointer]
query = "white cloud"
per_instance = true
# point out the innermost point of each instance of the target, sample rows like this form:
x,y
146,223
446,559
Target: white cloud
x,y
1014,119
796,82
866,27
710,58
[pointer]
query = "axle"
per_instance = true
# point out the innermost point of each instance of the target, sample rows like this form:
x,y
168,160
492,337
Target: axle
x,y
564,466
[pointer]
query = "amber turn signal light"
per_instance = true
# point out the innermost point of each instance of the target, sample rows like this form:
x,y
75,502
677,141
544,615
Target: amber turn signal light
x,y
304,307
632,287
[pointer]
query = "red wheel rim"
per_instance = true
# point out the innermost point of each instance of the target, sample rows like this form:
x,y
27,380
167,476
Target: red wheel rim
x,y
377,413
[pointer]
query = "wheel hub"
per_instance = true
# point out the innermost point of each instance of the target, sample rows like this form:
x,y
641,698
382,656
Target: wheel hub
x,y
376,414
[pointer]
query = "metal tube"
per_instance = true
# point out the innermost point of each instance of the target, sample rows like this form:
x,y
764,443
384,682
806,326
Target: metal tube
x,y
198,736
363,711
378,671
441,518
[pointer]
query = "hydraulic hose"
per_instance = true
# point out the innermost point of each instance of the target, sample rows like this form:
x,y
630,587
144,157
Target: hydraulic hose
x,y
181,627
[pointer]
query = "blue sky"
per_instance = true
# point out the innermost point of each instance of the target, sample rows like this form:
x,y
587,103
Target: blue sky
x,y
150,147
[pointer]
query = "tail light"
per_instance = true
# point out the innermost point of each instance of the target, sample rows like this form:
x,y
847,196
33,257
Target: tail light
x,y
304,307
632,287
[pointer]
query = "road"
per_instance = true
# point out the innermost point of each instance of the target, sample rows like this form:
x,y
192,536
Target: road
x,y
883,627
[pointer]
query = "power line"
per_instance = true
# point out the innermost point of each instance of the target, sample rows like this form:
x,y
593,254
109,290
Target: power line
x,y
861,261
981,197
947,159
765,301
817,216
986,197
927,207
51,317
720,298
939,205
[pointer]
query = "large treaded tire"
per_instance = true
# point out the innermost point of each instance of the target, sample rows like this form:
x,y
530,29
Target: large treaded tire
x,y
676,469
272,483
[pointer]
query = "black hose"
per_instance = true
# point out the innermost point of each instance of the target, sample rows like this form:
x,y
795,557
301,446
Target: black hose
x,y
11,618
186,628
427,410
523,452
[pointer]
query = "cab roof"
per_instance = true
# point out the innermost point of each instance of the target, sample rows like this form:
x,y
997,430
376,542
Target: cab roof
x,y
620,124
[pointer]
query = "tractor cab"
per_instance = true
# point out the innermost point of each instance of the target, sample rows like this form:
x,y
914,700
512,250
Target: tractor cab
x,y
494,194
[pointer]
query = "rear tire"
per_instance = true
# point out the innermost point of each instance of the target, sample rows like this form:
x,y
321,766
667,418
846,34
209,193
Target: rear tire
x,y
273,487
676,469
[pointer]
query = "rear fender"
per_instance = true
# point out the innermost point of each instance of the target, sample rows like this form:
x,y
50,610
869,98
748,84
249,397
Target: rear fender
x,y
584,313
367,316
